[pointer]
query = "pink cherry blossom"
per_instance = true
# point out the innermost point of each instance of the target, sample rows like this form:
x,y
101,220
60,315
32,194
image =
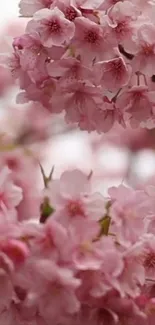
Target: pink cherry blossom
x,y
112,74
78,97
138,101
86,254
52,26
31,52
112,267
15,250
61,281
68,7
75,202
106,116
128,210
91,40
69,70
121,18
145,254
145,53
21,164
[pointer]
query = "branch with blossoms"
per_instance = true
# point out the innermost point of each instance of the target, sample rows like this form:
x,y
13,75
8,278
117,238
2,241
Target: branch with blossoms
x,y
79,55
70,254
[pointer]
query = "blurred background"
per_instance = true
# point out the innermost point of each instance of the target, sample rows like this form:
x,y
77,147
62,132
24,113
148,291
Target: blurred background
x,y
121,156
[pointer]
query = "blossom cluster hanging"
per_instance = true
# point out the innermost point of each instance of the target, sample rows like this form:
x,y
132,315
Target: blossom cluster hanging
x,y
90,258
91,59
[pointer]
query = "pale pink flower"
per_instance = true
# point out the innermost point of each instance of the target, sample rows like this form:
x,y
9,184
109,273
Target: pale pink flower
x,y
51,241
91,40
43,92
69,70
85,252
80,103
55,286
145,251
104,276
126,309
74,199
106,115
29,7
21,165
112,74
52,26
145,53
32,53
16,250
138,101
132,278
121,18
68,7
128,212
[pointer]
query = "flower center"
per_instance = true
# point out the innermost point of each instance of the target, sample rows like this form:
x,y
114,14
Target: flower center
x,y
12,163
149,261
147,49
91,37
70,13
75,209
137,96
54,26
122,28
116,65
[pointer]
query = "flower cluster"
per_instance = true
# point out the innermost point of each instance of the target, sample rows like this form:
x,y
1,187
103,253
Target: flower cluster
x,y
91,59
69,254
90,258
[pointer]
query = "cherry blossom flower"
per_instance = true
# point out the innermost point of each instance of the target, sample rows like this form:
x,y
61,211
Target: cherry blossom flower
x,y
52,26
138,101
128,209
68,7
31,52
61,281
106,116
75,202
79,97
91,40
145,54
70,70
112,74
121,18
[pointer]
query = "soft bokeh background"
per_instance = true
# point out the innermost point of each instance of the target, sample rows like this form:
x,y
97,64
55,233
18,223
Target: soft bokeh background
x,y
73,149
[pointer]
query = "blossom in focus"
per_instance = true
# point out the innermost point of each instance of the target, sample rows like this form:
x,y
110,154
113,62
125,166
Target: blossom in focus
x,y
72,202
52,26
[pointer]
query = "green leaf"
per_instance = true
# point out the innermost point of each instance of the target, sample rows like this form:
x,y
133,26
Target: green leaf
x,y
46,210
